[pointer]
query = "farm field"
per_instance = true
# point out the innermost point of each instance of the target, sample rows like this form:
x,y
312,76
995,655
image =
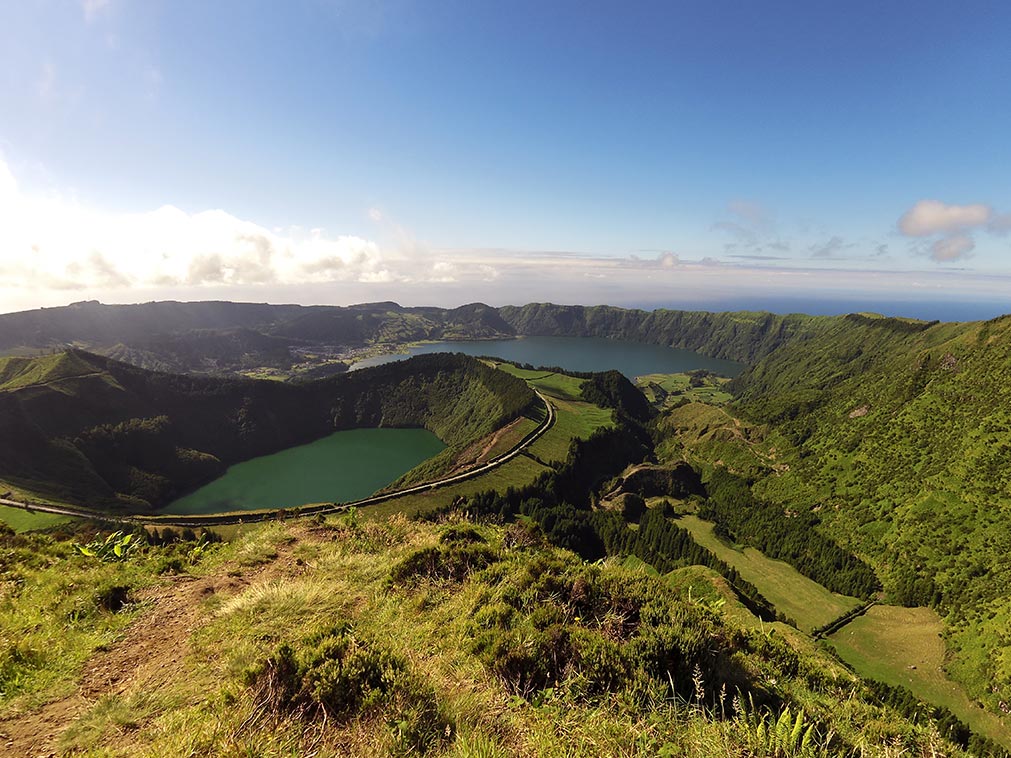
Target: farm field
x,y
518,472
903,647
510,437
574,418
678,386
23,521
802,599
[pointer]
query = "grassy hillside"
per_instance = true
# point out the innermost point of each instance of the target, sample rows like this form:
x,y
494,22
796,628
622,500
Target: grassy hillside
x,y
741,336
859,449
223,337
896,434
84,429
399,638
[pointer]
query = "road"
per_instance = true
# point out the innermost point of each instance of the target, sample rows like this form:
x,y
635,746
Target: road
x,y
309,510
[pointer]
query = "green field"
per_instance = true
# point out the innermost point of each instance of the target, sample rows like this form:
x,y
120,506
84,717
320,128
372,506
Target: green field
x,y
792,593
551,383
904,647
18,373
22,521
518,472
573,420
678,386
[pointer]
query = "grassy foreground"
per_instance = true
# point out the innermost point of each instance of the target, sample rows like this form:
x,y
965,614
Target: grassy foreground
x,y
394,638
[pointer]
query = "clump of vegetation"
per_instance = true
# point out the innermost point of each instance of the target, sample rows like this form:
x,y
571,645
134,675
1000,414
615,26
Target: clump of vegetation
x,y
339,675
461,534
554,622
535,653
446,562
116,546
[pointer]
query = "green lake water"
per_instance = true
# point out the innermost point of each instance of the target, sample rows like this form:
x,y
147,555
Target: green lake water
x,y
347,465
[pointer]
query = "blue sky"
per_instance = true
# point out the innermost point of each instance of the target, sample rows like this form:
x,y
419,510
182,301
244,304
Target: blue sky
x,y
654,153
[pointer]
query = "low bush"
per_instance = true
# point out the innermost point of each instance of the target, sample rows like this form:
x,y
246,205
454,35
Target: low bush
x,y
340,676
452,562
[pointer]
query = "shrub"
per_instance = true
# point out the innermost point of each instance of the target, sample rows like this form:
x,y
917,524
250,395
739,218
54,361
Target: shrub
x,y
340,676
453,562
461,534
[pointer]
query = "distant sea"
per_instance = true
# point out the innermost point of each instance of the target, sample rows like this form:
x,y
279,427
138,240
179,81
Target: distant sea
x,y
938,310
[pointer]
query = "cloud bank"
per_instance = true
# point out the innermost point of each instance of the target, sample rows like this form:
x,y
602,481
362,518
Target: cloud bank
x,y
53,250
951,226
53,243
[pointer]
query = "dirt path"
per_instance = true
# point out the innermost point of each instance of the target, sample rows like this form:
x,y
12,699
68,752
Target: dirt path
x,y
479,452
151,653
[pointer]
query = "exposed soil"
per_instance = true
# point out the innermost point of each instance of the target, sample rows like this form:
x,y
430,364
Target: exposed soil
x,y
154,647
479,452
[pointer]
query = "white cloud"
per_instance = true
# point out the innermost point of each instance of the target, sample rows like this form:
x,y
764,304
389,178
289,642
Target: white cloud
x,y
52,245
952,227
952,248
830,248
929,217
754,214
52,242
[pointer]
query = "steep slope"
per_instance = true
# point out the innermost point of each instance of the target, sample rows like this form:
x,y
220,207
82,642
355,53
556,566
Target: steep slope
x,y
741,336
901,437
86,429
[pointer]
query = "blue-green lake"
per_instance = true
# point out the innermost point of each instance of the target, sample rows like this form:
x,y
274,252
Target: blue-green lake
x,y
577,354
344,466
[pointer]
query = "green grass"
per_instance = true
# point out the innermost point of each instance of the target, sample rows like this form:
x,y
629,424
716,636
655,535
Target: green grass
x,y
58,619
282,584
899,435
573,420
678,387
792,593
511,437
520,471
18,373
904,647
550,383
22,521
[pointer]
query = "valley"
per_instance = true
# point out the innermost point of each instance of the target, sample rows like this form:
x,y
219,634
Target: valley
x,y
817,480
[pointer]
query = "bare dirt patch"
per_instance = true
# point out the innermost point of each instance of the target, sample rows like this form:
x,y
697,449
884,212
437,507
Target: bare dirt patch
x,y
480,451
150,654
